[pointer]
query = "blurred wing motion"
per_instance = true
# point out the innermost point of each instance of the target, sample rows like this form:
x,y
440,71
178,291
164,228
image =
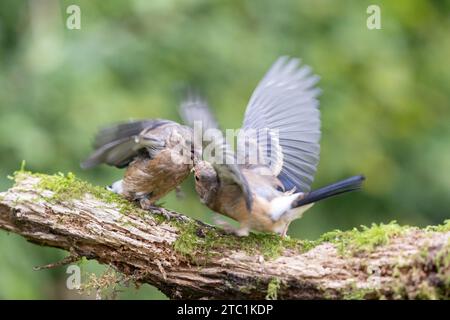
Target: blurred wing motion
x,y
195,108
117,145
285,103
228,170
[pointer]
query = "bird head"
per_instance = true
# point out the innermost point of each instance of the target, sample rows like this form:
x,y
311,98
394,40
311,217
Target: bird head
x,y
206,181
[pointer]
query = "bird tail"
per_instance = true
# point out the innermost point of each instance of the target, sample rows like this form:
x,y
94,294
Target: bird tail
x,y
347,185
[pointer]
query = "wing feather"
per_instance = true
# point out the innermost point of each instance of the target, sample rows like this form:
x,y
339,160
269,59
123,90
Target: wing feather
x,y
117,145
285,101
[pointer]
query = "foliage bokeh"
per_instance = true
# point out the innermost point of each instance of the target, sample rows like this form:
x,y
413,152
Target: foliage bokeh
x,y
385,101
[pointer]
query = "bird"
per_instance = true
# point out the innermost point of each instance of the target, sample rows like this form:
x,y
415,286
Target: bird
x,y
274,189
157,154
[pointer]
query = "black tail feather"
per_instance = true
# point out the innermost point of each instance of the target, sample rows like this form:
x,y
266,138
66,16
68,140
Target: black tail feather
x,y
347,185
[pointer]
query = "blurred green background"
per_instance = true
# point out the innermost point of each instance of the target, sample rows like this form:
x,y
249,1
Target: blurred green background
x,y
385,102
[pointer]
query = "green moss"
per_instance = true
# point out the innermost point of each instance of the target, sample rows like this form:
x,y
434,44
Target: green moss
x,y
364,239
444,227
272,289
246,289
442,263
64,187
195,238
355,293
68,187
187,241
427,292
270,245
444,257
427,276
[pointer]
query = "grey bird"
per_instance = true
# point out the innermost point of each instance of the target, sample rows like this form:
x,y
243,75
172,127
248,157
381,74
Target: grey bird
x,y
269,194
157,154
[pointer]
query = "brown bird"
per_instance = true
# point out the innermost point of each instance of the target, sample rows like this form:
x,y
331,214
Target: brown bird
x,y
157,154
271,192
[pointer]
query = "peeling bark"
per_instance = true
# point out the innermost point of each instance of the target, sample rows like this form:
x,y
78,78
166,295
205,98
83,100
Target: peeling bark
x,y
414,264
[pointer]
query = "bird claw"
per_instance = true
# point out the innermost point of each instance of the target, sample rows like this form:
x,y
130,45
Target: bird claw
x,y
146,204
168,215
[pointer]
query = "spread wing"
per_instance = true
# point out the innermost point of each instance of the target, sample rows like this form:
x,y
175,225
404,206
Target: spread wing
x,y
118,144
285,103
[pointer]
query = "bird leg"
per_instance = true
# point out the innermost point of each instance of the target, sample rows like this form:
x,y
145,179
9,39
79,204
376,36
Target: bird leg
x,y
285,230
242,231
179,193
148,205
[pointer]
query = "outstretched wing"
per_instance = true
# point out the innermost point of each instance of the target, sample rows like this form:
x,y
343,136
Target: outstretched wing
x,y
194,108
118,144
285,103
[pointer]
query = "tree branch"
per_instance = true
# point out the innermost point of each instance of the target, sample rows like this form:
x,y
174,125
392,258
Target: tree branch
x,y
188,259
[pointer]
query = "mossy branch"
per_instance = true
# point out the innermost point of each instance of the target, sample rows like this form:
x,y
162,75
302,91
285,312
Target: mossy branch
x,y
185,258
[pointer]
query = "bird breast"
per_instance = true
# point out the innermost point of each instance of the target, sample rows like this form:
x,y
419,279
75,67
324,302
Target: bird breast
x,y
154,177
